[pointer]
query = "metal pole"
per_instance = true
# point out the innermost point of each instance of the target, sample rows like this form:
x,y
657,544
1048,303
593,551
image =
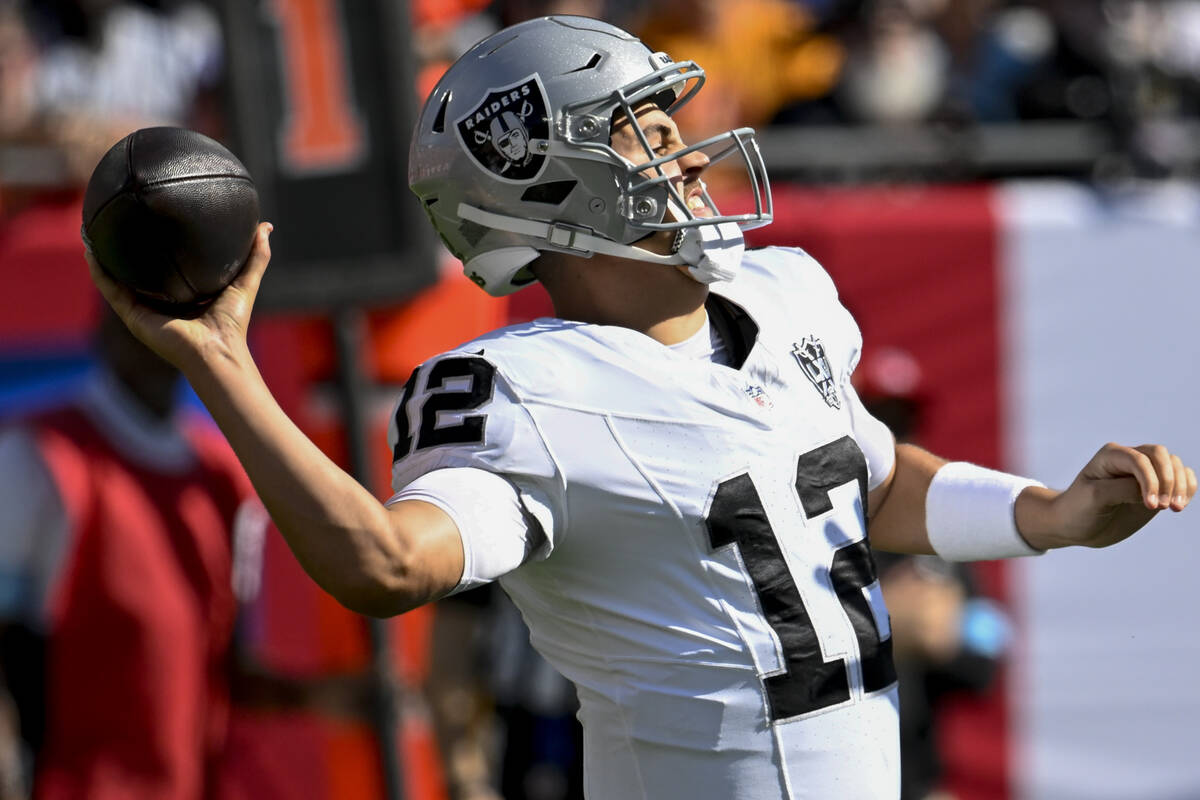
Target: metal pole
x,y
350,335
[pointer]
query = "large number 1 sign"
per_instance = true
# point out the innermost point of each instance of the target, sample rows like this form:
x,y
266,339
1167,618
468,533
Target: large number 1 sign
x,y
322,130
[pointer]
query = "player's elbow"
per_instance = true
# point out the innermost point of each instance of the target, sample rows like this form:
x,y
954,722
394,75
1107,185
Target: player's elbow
x,y
380,595
372,604
416,558
397,579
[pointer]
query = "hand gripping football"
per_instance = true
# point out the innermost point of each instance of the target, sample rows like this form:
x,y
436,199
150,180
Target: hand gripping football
x,y
171,214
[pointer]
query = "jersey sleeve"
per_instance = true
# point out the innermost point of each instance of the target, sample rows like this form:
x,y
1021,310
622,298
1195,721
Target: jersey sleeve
x,y
458,415
498,529
874,438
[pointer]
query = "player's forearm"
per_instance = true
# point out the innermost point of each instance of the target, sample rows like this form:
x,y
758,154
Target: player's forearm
x,y
338,531
1034,512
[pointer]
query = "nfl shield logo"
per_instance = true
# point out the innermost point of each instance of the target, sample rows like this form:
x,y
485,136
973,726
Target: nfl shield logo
x,y
760,396
810,354
503,131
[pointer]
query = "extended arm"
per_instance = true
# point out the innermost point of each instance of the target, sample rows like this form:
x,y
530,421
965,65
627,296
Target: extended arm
x,y
1116,493
374,559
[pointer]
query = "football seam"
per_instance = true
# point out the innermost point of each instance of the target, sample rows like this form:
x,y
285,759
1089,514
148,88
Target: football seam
x,y
125,187
131,187
183,276
189,178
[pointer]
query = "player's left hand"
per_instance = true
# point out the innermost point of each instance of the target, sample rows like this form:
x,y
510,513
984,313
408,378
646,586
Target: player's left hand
x,y
1114,495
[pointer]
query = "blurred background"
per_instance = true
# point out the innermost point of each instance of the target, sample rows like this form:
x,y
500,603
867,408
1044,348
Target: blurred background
x,y
1004,190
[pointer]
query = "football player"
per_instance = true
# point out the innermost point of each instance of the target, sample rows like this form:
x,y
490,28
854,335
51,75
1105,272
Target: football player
x,y
673,478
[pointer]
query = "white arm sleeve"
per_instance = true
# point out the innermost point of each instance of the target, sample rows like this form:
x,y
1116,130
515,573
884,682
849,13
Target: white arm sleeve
x,y
501,527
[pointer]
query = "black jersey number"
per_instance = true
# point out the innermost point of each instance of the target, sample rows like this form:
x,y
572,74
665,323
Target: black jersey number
x,y
481,383
737,518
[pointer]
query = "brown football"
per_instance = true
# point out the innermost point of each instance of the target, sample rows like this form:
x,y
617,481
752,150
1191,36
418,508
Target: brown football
x,y
171,214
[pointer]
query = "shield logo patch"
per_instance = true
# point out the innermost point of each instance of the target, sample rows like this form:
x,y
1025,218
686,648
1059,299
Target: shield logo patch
x,y
504,129
810,355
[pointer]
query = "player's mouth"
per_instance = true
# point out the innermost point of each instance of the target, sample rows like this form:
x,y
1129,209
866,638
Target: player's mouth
x,y
695,204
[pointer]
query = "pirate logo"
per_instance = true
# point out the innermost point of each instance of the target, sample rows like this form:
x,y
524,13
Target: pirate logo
x,y
810,354
502,133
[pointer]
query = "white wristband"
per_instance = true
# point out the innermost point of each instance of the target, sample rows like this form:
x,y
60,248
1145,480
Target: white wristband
x,y
969,513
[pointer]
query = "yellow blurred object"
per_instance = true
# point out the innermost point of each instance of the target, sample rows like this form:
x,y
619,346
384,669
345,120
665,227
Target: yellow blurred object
x,y
759,55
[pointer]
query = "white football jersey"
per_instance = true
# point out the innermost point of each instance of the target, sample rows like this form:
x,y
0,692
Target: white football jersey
x,y
700,569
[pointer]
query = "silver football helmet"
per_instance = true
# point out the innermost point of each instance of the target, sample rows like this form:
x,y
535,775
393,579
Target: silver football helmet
x,y
511,156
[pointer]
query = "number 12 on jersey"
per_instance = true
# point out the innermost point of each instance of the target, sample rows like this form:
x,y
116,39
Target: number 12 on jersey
x,y
736,518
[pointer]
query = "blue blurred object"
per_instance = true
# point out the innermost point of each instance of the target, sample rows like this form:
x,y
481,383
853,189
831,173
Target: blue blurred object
x,y
29,381
819,8
986,629
1008,54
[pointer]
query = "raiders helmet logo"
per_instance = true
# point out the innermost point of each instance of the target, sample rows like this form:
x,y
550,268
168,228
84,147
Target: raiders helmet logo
x,y
810,354
503,131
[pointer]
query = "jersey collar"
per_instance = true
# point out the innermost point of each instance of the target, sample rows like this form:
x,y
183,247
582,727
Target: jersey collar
x,y
735,325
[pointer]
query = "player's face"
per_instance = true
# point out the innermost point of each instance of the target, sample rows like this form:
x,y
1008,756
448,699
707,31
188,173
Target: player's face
x,y
664,139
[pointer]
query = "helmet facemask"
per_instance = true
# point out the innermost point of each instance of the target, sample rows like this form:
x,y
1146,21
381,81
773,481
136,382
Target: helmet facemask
x,y
646,189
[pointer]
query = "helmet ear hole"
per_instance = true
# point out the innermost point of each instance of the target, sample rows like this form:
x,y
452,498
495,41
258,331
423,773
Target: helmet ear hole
x,y
552,193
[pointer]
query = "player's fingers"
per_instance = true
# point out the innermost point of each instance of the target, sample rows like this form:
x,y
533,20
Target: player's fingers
x,y
249,279
1186,488
119,297
1115,460
1164,468
1179,495
138,317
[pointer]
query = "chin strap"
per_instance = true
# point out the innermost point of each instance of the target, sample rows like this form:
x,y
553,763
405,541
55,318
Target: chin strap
x,y
712,252
717,250
568,237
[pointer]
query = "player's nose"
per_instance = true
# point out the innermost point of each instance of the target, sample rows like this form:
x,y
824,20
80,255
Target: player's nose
x,y
693,163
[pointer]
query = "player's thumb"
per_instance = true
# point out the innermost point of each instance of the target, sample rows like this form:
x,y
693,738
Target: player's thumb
x,y
250,278
121,298
1116,491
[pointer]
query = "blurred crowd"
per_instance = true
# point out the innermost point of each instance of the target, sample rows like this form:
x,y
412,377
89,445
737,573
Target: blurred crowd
x,y
78,71
1130,64
77,75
